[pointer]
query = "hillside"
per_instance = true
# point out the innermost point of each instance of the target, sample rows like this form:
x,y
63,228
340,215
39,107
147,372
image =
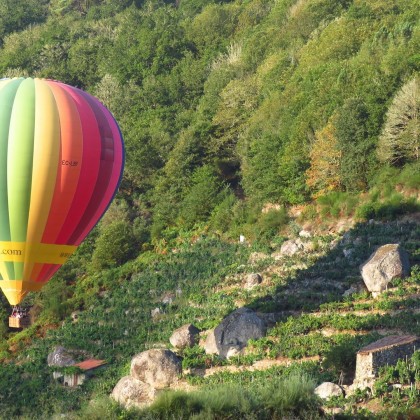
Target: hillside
x,y
314,323
253,118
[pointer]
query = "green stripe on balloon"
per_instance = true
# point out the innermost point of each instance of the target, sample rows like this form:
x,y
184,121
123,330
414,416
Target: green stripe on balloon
x,y
7,95
19,163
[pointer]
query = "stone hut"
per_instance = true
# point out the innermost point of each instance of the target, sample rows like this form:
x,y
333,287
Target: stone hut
x,y
85,370
386,351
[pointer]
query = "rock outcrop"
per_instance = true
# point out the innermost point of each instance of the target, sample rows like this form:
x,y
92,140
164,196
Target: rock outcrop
x,y
156,367
252,280
131,392
151,371
60,357
327,390
185,336
234,332
385,264
291,247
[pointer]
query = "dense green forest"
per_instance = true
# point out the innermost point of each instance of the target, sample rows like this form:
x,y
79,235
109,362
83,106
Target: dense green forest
x,y
227,106
233,113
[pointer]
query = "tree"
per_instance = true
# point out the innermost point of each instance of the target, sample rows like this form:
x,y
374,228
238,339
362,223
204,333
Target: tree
x,y
400,138
355,144
324,173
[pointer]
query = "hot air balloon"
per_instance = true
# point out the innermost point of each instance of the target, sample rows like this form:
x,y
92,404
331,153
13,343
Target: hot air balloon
x,y
61,161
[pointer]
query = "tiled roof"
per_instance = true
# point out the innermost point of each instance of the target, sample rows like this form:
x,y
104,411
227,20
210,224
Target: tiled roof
x,y
388,342
90,364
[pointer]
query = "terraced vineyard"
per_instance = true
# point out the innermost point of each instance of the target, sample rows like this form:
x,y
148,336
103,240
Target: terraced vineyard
x,y
314,330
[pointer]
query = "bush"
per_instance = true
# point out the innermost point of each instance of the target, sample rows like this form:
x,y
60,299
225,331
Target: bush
x,y
282,396
270,223
202,197
115,245
388,209
337,204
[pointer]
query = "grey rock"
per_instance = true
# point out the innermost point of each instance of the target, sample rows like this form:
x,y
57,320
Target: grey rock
x,y
305,234
131,392
210,346
355,288
252,280
60,357
234,332
327,390
291,247
385,264
155,313
185,336
156,367
168,298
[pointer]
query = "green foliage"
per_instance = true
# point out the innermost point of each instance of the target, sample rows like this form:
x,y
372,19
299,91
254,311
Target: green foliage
x,y
270,223
279,397
337,204
400,137
388,209
52,301
17,14
202,197
115,245
355,144
220,105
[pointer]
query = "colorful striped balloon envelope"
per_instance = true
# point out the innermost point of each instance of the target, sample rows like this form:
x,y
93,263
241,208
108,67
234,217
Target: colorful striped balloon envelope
x,y
61,161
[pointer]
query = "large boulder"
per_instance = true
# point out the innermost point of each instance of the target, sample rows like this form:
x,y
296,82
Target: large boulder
x,y
327,390
186,336
234,332
385,264
60,357
158,368
131,392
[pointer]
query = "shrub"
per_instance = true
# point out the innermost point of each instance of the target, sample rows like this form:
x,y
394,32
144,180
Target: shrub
x,y
115,245
202,196
270,223
281,396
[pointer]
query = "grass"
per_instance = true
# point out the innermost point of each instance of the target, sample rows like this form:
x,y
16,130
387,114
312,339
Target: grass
x,y
282,396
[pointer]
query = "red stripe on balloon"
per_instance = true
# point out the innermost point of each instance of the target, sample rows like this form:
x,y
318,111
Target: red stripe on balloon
x,y
97,204
115,153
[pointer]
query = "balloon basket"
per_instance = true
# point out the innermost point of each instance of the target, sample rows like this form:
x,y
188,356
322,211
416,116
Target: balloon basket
x,y
19,322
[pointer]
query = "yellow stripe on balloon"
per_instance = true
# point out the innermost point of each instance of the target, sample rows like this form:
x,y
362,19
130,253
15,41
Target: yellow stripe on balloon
x,y
35,253
16,290
45,163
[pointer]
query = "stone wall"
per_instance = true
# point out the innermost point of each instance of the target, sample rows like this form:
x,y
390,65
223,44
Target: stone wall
x,y
368,363
364,367
391,355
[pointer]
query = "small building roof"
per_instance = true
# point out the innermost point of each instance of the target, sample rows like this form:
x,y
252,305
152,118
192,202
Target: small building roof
x,y
90,364
388,342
